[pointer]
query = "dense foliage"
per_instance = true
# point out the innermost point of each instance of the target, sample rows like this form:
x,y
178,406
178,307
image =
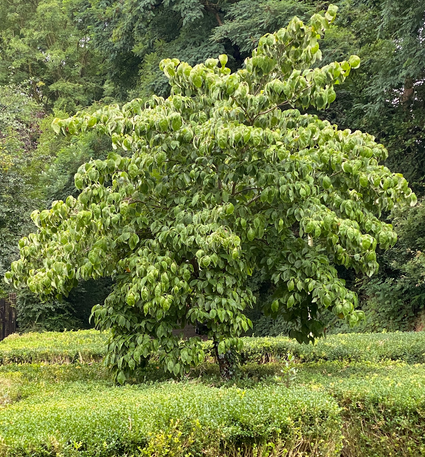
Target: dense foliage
x,y
225,177
57,54
42,49
18,132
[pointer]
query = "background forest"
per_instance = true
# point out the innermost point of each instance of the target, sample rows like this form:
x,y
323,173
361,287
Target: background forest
x,y
61,56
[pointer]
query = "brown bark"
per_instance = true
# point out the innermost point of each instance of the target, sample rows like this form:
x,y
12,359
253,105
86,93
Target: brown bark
x,y
214,8
408,92
225,362
217,16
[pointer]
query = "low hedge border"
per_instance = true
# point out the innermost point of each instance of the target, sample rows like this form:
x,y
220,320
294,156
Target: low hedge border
x,y
79,419
90,345
83,346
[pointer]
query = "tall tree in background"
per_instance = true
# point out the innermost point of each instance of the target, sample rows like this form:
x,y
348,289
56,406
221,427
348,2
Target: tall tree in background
x,y
19,119
387,98
41,47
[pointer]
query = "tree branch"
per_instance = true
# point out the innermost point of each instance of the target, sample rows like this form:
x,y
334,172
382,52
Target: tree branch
x,y
254,199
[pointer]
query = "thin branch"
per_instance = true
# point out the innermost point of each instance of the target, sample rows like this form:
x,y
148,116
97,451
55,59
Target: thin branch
x,y
270,109
254,199
286,102
243,109
233,187
148,206
246,189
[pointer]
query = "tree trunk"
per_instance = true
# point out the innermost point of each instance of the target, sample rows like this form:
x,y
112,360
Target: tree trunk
x,y
226,362
408,92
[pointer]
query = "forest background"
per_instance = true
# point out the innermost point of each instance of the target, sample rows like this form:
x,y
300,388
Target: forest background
x,y
58,57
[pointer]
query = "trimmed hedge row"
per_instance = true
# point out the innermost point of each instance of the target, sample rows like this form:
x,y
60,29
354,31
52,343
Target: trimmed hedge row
x,y
371,409
171,419
372,347
383,409
53,347
90,345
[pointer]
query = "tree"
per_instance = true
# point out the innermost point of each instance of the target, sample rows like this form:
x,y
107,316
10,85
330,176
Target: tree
x,y
387,100
225,176
134,36
19,119
42,48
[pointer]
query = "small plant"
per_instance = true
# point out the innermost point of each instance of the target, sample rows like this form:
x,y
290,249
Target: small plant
x,y
289,372
169,443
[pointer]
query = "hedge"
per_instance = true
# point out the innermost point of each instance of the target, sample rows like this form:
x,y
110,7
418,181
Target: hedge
x,y
90,345
372,407
170,419
373,347
383,411
53,347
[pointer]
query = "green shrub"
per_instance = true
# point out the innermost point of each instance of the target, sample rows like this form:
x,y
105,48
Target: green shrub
x,y
53,347
89,345
409,347
384,414
10,388
31,375
181,418
365,392
51,315
382,404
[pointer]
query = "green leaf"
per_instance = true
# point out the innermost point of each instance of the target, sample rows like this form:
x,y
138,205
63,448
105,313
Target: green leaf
x,y
176,122
229,208
326,182
133,240
364,182
251,234
55,126
223,59
79,183
354,61
197,81
176,369
121,377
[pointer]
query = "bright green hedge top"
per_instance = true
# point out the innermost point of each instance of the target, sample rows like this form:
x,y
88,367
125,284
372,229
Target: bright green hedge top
x,y
89,345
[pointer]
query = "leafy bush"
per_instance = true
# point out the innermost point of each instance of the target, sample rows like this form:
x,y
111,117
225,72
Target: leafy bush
x,y
363,392
10,388
81,419
53,347
51,315
409,347
383,412
83,345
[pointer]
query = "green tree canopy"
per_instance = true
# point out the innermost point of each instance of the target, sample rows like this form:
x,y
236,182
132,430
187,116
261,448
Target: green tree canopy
x,y
19,130
223,177
41,47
